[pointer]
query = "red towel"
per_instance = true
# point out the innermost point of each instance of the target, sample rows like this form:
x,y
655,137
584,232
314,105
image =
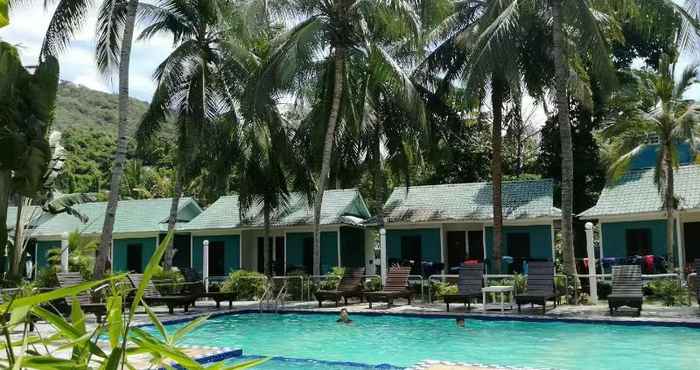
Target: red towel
x,y
649,263
471,262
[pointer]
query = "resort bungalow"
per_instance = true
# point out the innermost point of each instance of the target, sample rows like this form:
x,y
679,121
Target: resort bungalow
x,y
138,228
236,242
438,227
633,221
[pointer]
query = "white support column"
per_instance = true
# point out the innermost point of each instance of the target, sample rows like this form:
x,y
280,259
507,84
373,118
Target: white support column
x,y
600,246
65,249
554,252
483,245
205,264
285,252
679,244
382,254
592,274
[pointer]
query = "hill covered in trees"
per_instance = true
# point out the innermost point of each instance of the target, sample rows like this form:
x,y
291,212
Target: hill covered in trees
x,y
83,108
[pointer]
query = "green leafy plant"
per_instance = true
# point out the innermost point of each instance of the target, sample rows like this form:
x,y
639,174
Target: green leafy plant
x,y
248,285
373,284
604,289
668,291
32,350
295,286
168,282
439,289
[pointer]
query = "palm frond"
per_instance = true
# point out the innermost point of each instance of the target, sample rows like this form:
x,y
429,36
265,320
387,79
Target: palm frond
x,y
65,22
111,19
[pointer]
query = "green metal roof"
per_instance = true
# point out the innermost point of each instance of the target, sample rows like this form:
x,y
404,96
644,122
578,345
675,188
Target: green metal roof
x,y
133,216
469,201
339,207
31,213
636,192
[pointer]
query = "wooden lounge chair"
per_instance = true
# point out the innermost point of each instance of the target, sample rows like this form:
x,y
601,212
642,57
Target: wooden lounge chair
x,y
153,297
350,285
697,279
626,288
194,285
69,279
540,285
471,280
396,287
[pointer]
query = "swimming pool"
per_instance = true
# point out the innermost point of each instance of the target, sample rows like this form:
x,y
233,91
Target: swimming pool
x,y
405,341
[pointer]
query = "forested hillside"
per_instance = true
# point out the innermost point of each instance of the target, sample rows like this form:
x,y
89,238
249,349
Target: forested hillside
x,y
88,122
83,108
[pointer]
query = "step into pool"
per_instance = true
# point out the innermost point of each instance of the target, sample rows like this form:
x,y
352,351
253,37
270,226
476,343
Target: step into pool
x,y
404,341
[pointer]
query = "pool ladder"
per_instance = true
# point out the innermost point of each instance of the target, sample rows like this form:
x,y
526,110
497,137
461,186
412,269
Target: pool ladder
x,y
271,301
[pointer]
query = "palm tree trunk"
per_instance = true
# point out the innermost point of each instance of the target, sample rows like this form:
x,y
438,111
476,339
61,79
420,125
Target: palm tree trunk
x,y
378,177
338,56
567,156
670,204
18,247
267,252
497,91
120,156
4,204
172,221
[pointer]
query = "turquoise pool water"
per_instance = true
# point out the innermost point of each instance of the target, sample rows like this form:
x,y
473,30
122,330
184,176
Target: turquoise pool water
x,y
277,363
405,341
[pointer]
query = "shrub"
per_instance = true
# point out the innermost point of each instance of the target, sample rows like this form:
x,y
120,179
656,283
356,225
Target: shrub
x,y
248,285
440,289
668,291
295,286
168,282
373,284
604,289
46,278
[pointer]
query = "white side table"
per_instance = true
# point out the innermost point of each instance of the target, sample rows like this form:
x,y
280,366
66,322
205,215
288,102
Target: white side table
x,y
501,290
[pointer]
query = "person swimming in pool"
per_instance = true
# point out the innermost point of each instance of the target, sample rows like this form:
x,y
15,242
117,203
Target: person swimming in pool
x,y
460,322
344,317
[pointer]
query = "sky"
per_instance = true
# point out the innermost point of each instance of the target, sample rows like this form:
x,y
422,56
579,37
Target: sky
x,y
28,24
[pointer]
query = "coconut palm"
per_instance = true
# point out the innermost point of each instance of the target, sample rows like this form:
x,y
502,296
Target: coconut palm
x,y
328,39
114,35
190,84
654,104
465,51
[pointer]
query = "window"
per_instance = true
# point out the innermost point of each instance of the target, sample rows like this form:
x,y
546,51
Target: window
x,y
638,242
134,258
217,253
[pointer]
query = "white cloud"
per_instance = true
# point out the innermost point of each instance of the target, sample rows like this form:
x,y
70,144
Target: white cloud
x,y
29,23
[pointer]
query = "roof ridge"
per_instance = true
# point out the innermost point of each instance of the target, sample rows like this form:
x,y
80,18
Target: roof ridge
x,y
475,183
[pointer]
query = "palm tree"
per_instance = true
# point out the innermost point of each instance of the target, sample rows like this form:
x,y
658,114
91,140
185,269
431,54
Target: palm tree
x,y
467,45
190,83
654,104
115,29
25,151
321,47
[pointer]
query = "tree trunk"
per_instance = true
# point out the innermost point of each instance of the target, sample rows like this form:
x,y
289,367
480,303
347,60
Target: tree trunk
x,y
497,92
267,251
4,204
567,165
378,177
172,221
15,257
327,149
105,246
670,205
